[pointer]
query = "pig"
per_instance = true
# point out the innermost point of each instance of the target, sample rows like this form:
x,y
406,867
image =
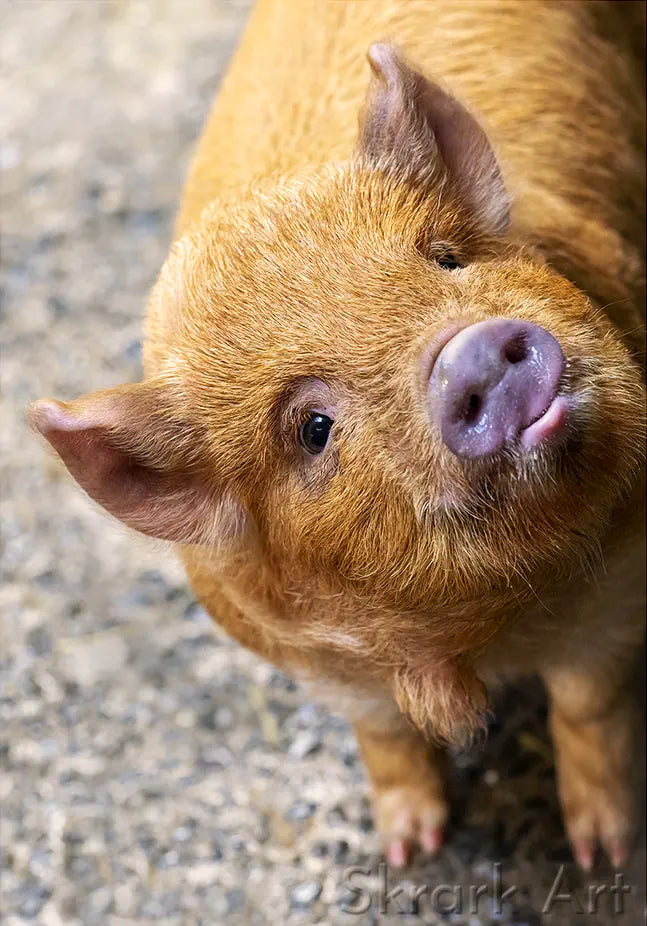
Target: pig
x,y
393,413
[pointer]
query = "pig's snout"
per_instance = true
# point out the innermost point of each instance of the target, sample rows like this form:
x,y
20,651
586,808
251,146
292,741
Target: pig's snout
x,y
494,381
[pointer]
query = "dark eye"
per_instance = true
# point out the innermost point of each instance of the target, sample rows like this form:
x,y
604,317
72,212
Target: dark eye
x,y
448,262
315,432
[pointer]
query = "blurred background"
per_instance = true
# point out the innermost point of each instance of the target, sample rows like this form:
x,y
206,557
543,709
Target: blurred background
x,y
152,771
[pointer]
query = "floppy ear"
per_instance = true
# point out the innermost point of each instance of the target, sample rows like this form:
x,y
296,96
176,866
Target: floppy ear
x,y
415,128
130,451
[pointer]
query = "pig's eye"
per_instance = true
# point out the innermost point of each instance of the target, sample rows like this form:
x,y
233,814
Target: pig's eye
x,y
314,432
448,262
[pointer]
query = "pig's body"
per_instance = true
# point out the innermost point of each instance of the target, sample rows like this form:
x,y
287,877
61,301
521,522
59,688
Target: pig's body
x,y
559,87
571,154
402,596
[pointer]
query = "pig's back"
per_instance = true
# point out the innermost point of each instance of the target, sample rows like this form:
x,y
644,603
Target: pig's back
x,y
558,85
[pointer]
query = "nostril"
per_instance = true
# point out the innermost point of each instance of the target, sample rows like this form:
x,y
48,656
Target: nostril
x,y
472,408
516,349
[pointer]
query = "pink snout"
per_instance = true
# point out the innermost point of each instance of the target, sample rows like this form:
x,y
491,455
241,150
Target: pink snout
x,y
496,381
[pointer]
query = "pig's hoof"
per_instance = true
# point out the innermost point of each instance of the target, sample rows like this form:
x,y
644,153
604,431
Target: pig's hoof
x,y
410,817
595,816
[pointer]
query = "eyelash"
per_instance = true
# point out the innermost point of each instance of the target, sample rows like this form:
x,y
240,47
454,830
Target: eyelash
x,y
448,261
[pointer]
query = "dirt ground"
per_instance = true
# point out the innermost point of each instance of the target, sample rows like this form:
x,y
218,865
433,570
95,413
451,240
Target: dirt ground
x,y
151,771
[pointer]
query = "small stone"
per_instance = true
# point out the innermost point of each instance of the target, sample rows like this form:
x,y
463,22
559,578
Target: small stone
x,y
320,850
204,874
195,612
308,715
336,815
220,719
133,349
491,777
235,900
365,823
340,850
88,660
169,859
304,744
50,915
36,896
125,899
101,900
305,894
40,641
300,810
86,766
186,719
46,579
278,680
218,757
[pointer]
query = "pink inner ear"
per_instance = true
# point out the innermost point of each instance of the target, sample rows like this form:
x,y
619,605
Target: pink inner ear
x,y
412,120
164,502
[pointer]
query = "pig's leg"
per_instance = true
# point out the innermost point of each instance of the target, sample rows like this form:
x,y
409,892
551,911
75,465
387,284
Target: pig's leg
x,y
595,722
406,774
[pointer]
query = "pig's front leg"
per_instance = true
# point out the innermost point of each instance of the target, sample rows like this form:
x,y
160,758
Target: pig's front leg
x,y
595,723
407,779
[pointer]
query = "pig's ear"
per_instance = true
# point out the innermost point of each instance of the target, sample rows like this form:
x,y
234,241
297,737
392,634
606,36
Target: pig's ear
x,y
131,452
415,128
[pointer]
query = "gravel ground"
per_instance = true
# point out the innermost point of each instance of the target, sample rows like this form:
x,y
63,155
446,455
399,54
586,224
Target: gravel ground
x,y
152,771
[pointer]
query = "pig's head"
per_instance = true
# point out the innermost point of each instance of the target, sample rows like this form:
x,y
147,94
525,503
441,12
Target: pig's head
x,y
359,383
